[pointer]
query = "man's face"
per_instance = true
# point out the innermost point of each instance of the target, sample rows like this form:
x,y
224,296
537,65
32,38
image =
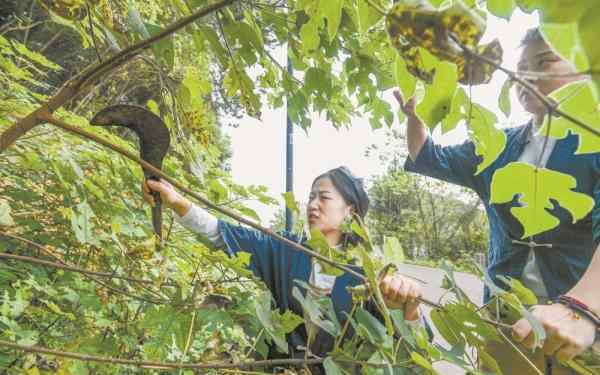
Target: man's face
x,y
538,57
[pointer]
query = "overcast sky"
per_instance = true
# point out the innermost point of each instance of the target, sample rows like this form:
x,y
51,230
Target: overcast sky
x,y
259,146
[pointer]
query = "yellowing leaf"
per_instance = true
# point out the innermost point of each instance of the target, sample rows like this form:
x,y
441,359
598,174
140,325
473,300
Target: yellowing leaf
x,y
533,215
576,99
5,218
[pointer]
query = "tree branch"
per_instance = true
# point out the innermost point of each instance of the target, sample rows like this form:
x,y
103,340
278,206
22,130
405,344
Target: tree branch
x,y
67,267
92,73
550,105
160,365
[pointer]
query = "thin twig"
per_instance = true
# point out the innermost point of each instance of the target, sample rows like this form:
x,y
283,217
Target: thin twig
x,y
520,352
91,26
109,287
46,263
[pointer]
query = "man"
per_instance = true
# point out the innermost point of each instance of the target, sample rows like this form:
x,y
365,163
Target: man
x,y
559,262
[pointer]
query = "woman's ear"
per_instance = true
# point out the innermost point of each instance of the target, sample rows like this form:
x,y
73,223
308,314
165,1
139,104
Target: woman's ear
x,y
350,210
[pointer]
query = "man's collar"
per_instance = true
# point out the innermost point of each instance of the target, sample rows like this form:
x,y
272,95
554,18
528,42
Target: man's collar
x,y
523,135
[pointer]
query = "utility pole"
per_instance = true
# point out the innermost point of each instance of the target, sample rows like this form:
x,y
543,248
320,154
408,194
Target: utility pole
x,y
289,150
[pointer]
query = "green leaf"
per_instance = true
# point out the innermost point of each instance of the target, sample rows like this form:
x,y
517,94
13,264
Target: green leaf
x,y
5,218
438,96
237,82
555,11
576,99
456,114
367,16
504,98
317,81
288,321
332,10
525,295
135,21
318,243
331,368
376,332
535,191
402,327
489,362
564,40
164,49
392,250
313,311
309,34
81,223
489,141
421,361
207,34
405,81
588,35
465,322
290,202
275,324
501,8
445,326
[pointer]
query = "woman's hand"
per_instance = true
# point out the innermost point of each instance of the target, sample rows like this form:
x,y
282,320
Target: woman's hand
x,y
567,334
400,292
168,195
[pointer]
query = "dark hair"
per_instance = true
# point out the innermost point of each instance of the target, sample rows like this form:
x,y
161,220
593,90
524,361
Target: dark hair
x,y
532,35
352,190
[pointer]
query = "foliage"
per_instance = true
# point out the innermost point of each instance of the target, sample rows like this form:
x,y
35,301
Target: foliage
x,y
82,203
430,222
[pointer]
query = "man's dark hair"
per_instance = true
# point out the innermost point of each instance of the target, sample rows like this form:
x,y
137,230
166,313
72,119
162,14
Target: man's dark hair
x,y
532,35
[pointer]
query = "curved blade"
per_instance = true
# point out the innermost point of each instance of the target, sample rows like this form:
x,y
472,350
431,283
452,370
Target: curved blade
x,y
154,138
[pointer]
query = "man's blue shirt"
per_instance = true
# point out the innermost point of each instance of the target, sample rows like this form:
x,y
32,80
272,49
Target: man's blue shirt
x,y
573,244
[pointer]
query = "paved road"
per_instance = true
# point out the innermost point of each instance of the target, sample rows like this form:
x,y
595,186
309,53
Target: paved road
x,y
433,292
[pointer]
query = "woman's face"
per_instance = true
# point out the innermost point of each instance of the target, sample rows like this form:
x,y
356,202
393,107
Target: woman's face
x,y
326,208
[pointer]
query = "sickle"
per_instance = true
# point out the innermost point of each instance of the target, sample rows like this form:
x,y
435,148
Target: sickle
x,y
154,139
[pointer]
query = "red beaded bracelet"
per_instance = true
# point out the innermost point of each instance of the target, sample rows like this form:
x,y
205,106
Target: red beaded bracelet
x,y
580,307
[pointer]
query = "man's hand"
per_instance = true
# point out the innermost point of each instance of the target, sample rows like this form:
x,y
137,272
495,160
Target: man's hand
x,y
567,333
400,292
169,196
416,134
407,108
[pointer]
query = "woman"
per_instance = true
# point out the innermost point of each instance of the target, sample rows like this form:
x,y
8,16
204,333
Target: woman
x,y
334,198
